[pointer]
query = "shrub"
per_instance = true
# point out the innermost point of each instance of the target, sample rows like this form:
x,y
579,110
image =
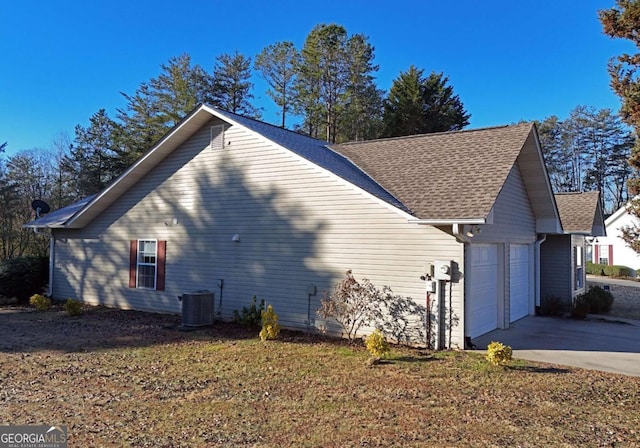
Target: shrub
x,y
40,302
616,271
270,327
599,300
73,307
580,308
499,354
251,316
352,304
22,277
377,344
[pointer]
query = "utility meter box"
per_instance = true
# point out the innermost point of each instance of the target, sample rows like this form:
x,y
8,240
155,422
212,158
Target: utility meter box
x,y
442,270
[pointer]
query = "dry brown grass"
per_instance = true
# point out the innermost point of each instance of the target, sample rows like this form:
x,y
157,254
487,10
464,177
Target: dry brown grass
x,y
130,379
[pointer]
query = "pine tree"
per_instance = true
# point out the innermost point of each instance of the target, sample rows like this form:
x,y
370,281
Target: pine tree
x,y
90,162
362,117
335,89
278,65
419,105
158,105
232,84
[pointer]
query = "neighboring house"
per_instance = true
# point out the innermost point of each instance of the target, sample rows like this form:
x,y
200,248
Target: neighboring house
x,y
244,208
562,264
612,249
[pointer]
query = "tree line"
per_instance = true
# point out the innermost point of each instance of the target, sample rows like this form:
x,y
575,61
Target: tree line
x,y
326,89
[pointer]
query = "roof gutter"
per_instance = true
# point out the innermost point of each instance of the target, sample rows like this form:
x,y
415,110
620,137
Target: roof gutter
x,y
448,222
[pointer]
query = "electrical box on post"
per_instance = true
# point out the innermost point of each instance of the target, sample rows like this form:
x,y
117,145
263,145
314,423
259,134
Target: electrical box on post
x,y
442,270
431,286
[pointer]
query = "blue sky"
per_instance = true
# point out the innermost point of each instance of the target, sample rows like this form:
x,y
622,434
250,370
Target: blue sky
x,y
507,60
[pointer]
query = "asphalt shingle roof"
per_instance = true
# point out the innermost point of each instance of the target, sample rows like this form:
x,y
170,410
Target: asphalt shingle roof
x,y
577,211
443,176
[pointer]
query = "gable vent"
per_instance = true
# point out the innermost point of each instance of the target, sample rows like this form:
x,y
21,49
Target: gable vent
x,y
217,137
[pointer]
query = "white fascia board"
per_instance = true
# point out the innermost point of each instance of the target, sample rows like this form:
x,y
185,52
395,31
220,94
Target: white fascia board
x,y
448,222
543,165
613,218
322,170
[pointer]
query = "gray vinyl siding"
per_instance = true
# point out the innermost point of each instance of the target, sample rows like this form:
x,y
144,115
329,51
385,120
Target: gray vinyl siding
x,y
556,278
514,222
298,225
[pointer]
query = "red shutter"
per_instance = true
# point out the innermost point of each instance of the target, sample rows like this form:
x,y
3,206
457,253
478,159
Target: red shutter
x,y
162,253
133,263
610,255
596,254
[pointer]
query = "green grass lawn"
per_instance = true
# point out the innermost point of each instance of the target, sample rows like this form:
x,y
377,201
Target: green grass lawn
x,y
129,379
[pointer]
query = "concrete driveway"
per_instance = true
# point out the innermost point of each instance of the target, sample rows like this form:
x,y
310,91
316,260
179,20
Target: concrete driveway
x,y
595,344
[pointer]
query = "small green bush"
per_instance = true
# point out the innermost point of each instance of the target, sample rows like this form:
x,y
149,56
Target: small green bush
x,y
40,302
616,271
377,344
251,316
599,300
580,308
499,354
73,307
270,327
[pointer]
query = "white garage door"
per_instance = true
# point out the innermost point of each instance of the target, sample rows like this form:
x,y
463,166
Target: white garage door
x,y
519,287
481,290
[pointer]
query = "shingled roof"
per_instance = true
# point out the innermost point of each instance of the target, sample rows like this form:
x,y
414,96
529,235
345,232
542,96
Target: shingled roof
x,y
451,176
580,212
443,176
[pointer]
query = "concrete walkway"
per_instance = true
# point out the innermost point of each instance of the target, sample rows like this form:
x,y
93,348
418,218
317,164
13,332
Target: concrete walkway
x,y
595,344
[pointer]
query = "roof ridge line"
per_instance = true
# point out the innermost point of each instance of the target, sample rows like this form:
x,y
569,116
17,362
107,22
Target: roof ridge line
x,y
406,137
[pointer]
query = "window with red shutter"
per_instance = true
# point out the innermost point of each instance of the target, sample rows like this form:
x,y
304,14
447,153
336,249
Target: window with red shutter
x,y
147,264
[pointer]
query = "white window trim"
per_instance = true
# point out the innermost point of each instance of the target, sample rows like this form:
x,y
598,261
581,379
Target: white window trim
x,y
155,265
579,268
602,252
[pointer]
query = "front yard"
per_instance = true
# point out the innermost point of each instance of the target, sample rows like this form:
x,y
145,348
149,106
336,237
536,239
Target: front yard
x,y
120,378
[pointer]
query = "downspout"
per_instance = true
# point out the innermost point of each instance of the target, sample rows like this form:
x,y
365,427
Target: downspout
x,y
458,232
52,259
541,239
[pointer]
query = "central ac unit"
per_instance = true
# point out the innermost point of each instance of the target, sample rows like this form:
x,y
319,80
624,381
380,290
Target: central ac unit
x,y
197,308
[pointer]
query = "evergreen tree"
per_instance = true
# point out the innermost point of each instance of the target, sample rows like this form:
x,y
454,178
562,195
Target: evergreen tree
x,y
419,105
232,84
278,64
623,22
362,117
335,89
158,105
90,162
